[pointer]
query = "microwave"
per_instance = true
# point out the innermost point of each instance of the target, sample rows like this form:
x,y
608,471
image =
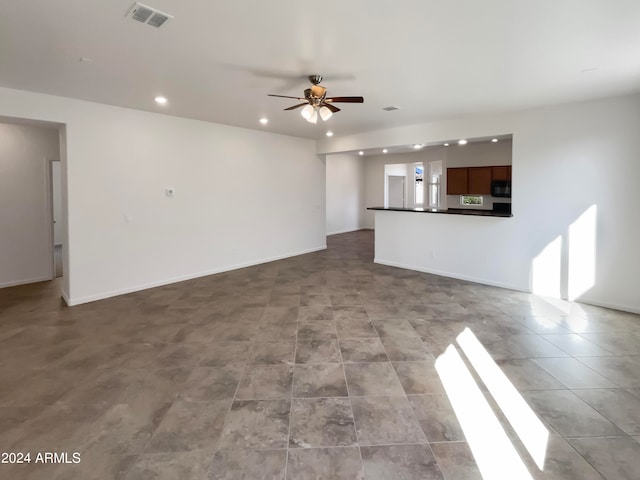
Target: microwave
x,y
501,188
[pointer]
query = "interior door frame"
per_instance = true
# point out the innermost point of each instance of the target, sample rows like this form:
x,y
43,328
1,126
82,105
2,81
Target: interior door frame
x,y
48,163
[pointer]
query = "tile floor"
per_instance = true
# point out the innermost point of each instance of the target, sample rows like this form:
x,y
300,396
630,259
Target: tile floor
x,y
318,366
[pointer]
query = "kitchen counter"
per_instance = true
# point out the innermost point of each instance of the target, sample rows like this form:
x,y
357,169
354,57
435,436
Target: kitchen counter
x,y
450,211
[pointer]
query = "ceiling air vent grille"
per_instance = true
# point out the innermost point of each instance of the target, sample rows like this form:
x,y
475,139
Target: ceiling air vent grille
x,y
157,19
150,16
391,108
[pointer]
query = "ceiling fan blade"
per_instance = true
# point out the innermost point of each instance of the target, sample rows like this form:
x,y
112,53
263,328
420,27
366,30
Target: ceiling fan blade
x,y
284,96
345,99
297,106
333,108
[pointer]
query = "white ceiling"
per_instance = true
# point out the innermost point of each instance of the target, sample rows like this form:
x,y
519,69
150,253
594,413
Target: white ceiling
x,y
217,60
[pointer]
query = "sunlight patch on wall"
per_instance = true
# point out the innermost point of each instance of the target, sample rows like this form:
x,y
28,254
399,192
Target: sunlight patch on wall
x,y
582,253
546,269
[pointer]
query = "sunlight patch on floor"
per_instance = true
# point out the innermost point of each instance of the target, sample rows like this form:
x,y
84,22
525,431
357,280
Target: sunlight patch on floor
x,y
495,455
524,421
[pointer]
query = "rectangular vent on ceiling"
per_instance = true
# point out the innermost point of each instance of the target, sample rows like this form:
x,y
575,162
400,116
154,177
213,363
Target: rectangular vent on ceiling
x,y
150,16
391,108
157,19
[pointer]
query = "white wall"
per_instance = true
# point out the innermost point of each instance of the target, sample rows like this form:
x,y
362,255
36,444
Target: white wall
x,y
345,193
566,159
479,154
235,202
25,245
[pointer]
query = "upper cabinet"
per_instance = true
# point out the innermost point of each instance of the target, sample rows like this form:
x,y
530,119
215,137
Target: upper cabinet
x,y
457,181
501,173
475,180
479,181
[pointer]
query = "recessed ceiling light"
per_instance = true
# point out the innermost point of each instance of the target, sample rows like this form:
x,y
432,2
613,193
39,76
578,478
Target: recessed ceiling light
x,y
85,60
161,100
446,144
329,133
462,142
264,121
417,146
360,152
385,150
494,140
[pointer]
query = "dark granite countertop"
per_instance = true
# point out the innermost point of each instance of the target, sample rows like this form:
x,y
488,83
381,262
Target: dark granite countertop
x,y
450,211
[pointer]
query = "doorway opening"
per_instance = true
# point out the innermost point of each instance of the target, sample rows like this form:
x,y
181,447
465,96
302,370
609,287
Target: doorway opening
x,y
396,191
33,193
56,216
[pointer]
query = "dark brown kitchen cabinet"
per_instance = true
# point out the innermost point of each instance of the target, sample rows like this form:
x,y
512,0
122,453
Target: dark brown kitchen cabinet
x,y
457,181
475,180
502,172
479,181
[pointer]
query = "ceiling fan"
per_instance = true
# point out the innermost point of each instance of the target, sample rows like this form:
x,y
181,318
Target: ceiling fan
x,y
317,103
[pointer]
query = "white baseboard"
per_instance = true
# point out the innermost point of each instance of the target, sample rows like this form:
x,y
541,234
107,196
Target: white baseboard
x,y
113,293
588,301
65,297
613,306
347,231
457,276
15,283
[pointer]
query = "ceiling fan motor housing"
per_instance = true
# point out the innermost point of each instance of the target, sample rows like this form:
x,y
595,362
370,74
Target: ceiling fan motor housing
x,y
315,95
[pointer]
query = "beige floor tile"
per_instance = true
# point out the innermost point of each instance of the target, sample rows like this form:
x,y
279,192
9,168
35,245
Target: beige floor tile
x,y
321,422
316,463
378,378
386,421
409,462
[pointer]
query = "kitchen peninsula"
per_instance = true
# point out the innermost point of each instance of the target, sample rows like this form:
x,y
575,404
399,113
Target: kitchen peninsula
x,y
449,211
466,244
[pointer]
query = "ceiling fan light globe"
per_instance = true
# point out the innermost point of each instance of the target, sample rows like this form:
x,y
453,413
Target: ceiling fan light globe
x,y
313,118
325,114
307,112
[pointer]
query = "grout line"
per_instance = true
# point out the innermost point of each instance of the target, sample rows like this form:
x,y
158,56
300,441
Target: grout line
x,y
235,393
293,370
585,459
355,428
368,445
